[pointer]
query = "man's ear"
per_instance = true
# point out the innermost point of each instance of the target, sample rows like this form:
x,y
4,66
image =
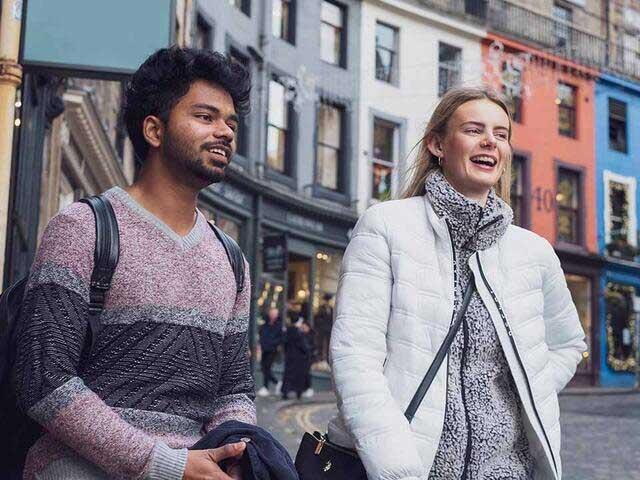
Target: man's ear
x,y
435,146
153,130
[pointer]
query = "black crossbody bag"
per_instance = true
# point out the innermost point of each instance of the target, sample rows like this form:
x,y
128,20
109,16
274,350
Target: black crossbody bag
x,y
319,459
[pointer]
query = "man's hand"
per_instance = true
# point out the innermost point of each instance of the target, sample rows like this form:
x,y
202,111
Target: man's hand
x,y
203,464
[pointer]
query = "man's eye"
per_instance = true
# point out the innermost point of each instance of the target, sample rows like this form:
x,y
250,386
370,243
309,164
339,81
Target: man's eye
x,y
233,127
204,116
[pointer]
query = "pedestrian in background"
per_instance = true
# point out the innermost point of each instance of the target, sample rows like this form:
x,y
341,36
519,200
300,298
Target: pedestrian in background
x,y
322,323
271,337
492,410
298,355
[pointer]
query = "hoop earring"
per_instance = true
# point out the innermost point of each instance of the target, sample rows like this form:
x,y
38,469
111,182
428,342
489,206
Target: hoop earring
x,y
440,161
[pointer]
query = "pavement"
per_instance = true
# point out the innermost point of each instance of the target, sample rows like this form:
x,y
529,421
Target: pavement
x,y
600,431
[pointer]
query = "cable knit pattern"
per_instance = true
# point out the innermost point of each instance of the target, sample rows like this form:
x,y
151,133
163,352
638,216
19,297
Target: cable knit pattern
x,y
483,412
170,361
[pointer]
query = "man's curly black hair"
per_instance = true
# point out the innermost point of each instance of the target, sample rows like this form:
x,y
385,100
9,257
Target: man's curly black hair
x,y
166,76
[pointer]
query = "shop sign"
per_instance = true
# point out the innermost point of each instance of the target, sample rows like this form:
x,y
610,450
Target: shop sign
x,y
98,38
303,222
275,255
232,193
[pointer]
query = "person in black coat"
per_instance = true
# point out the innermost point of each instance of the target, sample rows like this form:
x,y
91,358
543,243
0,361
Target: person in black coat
x,y
298,353
271,337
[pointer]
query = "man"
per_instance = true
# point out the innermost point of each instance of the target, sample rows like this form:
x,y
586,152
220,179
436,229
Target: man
x,y
323,322
170,361
271,337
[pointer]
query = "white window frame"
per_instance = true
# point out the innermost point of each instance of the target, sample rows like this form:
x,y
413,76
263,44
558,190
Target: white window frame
x,y
630,182
394,164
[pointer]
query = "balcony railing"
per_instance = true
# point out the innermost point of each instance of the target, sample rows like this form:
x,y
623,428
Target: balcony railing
x,y
551,35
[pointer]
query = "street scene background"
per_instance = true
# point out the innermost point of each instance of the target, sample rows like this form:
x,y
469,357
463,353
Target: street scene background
x,y
342,92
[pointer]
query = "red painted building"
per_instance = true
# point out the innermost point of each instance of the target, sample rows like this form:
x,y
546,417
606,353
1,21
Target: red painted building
x,y
553,188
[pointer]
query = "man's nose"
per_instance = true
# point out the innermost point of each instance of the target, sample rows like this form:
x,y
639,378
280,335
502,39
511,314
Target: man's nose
x,y
224,131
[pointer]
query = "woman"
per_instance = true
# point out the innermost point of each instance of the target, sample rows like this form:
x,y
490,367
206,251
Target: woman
x,y
298,351
492,410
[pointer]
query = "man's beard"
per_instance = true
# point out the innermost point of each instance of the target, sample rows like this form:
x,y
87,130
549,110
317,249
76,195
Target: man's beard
x,y
190,161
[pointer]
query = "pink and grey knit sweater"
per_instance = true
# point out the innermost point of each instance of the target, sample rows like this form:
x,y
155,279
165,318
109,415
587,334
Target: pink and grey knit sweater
x,y
169,364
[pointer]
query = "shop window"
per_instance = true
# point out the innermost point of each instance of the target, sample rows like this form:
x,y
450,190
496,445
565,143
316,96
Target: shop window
x,y
384,157
283,20
231,227
278,128
332,33
68,191
617,125
325,287
449,67
386,53
620,327
580,288
329,147
566,102
568,202
298,288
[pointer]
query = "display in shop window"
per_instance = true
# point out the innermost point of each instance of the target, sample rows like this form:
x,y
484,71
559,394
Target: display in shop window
x,y
620,327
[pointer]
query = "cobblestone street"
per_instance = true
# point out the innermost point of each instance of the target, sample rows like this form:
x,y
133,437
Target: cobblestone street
x,y
600,432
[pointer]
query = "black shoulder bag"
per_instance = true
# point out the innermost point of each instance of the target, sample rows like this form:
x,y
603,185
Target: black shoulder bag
x,y
318,458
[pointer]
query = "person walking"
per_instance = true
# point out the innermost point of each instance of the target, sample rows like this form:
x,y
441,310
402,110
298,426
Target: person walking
x,y
322,322
271,337
492,410
298,354
170,361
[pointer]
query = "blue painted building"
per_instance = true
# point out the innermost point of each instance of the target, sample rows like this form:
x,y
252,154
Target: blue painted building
x,y
618,201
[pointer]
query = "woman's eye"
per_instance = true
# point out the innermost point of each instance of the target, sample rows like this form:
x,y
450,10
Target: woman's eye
x,y
473,130
502,136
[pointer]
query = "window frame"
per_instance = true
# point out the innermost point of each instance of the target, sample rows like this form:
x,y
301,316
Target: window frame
x,y
611,117
562,25
288,176
342,61
573,109
341,172
393,163
525,213
395,54
244,7
444,65
244,128
291,23
580,172
515,103
631,184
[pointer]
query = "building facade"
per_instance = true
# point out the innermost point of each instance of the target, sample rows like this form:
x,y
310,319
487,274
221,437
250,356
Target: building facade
x,y
292,186
618,171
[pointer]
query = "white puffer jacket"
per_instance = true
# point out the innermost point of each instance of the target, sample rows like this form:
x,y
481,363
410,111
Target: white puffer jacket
x,y
394,305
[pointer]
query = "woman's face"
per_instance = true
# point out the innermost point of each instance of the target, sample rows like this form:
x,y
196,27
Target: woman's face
x,y
475,149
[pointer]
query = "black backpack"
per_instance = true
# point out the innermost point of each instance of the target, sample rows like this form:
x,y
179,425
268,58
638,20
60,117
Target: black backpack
x,y
19,430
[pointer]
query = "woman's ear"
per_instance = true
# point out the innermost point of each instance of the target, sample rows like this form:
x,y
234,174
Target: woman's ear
x,y
435,146
153,130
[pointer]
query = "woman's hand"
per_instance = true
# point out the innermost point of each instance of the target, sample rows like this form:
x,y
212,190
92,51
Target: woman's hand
x,y
203,464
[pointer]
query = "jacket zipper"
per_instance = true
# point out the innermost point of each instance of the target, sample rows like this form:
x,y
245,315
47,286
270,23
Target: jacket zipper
x,y
515,349
467,454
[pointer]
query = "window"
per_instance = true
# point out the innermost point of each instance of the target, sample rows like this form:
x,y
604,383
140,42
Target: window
x,y
332,42
449,67
617,125
278,128
620,215
243,5
384,146
283,20
562,30
202,34
580,288
568,200
517,199
566,110
511,87
329,146
386,53
242,134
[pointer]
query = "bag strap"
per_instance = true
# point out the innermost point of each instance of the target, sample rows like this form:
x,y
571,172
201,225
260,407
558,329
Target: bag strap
x,y
442,352
105,256
234,254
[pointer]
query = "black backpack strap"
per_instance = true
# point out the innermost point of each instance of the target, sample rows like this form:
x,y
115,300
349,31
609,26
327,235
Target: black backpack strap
x,y
442,352
234,254
106,254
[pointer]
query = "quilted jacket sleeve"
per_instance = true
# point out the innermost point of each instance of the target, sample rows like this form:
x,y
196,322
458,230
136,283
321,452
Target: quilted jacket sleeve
x,y
564,333
358,350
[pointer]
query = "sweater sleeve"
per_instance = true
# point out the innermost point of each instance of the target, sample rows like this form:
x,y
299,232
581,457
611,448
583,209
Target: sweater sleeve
x,y
49,345
236,389
358,349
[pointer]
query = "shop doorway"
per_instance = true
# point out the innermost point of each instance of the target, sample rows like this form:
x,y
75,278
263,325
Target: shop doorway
x,y
298,288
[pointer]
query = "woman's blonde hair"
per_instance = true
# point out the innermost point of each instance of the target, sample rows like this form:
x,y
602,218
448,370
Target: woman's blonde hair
x,y
426,162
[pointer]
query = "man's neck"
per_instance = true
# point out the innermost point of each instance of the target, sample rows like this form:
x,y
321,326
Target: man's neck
x,y
173,203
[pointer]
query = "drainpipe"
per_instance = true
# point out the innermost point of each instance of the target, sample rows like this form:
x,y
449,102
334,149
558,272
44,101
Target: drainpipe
x,y
10,80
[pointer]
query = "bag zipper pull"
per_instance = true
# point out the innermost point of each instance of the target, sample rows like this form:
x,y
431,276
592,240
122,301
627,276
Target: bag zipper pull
x,y
320,445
